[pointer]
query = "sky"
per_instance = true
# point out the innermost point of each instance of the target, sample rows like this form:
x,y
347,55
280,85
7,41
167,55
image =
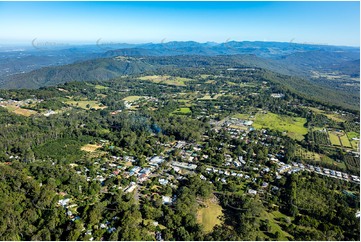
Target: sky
x,y
330,23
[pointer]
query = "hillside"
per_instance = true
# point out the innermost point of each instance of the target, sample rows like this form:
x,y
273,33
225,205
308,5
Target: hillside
x,y
97,69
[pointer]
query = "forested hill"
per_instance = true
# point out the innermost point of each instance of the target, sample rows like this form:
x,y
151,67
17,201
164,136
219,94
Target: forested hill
x,y
109,68
97,69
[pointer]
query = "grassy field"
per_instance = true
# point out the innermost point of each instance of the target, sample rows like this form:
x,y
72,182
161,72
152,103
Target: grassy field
x,y
83,104
328,160
332,116
182,111
90,147
24,112
274,225
132,98
352,135
305,154
345,141
100,87
208,216
334,138
168,80
20,111
293,126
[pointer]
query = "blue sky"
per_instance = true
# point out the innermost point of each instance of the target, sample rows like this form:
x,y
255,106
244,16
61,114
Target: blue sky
x,y
334,23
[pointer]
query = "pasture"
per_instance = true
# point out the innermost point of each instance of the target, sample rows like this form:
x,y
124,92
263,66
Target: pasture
x,y
293,126
100,87
24,112
333,116
20,111
167,80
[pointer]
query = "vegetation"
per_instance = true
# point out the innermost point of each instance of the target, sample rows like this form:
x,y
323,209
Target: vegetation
x,y
183,162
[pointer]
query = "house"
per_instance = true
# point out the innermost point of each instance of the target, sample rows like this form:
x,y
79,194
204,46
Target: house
x,y
251,191
264,184
203,177
184,165
166,200
143,177
163,181
64,202
131,188
146,171
248,123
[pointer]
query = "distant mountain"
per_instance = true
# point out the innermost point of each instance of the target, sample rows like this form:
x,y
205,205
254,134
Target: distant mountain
x,y
299,58
97,69
321,60
110,68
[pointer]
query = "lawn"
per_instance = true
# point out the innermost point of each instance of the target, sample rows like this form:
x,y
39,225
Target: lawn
x,y
168,80
293,126
132,98
209,215
84,104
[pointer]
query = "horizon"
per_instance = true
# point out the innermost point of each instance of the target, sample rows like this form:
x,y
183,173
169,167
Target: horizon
x,y
62,45
82,23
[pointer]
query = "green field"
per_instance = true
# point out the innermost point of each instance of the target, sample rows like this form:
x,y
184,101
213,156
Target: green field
x,y
83,104
182,111
168,80
275,225
306,154
345,141
334,138
209,216
132,98
352,135
293,126
332,116
330,161
100,87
